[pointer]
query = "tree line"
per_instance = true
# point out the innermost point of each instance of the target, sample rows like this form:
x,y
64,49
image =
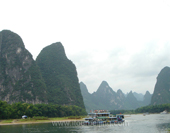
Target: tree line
x,y
114,112
153,108
150,108
17,110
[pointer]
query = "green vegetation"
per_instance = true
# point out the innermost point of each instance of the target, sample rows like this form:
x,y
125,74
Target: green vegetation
x,y
161,93
168,130
38,111
54,80
7,121
58,118
154,108
114,112
35,118
40,118
150,109
75,117
20,77
60,76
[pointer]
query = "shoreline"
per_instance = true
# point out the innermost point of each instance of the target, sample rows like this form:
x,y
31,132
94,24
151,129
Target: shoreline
x,y
14,122
38,122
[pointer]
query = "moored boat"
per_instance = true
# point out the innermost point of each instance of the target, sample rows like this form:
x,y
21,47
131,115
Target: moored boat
x,y
102,117
88,121
164,112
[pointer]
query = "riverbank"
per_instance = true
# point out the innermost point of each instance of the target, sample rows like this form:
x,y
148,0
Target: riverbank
x,y
31,121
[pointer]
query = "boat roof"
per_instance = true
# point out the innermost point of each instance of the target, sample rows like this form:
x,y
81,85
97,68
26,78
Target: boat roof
x,y
99,113
119,115
102,117
112,117
106,117
88,118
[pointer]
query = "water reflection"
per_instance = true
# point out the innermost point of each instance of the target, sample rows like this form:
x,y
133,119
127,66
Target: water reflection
x,y
163,127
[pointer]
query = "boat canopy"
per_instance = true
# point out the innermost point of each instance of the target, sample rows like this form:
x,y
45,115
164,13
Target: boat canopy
x,y
88,118
102,117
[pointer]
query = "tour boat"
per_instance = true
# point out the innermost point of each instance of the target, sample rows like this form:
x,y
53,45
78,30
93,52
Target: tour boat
x,y
102,117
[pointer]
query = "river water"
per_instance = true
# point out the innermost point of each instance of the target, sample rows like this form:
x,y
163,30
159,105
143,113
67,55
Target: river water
x,y
153,123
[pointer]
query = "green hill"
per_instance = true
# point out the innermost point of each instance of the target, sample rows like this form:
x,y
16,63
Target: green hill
x,y
20,77
60,76
161,93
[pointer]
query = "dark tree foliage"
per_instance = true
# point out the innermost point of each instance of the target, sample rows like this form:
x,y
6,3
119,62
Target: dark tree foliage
x,y
153,108
150,109
60,76
17,110
114,112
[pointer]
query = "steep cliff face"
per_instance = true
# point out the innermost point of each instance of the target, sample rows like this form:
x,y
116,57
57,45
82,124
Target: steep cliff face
x,y
84,90
147,98
60,76
87,98
120,100
20,78
161,93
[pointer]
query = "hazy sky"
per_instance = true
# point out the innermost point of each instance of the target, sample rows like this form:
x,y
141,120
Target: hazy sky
x,y
124,42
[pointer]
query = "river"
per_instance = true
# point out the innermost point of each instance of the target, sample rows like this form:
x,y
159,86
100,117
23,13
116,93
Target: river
x,y
153,123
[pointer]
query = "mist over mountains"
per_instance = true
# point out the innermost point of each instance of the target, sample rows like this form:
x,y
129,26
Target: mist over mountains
x,y
52,79
106,98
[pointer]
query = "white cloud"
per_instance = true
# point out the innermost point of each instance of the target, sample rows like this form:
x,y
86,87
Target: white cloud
x,y
125,43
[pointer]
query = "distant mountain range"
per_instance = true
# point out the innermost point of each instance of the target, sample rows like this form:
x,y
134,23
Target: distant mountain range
x,y
52,78
139,96
106,98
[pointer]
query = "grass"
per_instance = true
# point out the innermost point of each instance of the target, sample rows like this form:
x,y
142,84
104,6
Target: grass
x,y
75,117
59,118
40,119
34,119
7,121
44,120
168,130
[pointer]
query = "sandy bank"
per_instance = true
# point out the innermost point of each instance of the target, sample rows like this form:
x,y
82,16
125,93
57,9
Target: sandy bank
x,y
45,121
